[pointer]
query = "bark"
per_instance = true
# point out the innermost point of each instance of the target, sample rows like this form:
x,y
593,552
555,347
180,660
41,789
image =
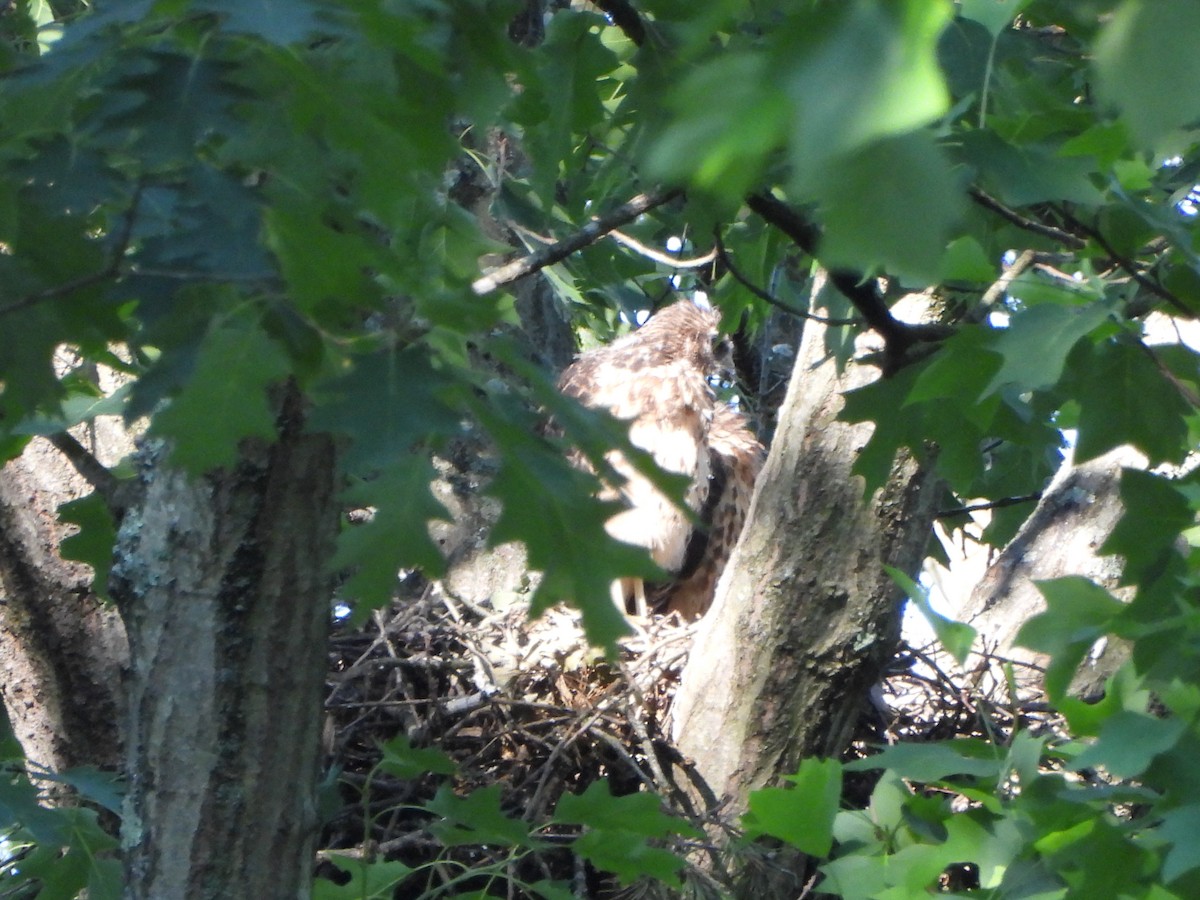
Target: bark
x,y
62,650
805,617
1074,517
224,587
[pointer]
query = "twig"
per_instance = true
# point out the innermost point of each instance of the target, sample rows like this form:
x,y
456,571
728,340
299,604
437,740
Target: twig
x,y
1128,265
1031,225
658,256
897,336
1007,277
110,270
770,298
991,504
588,234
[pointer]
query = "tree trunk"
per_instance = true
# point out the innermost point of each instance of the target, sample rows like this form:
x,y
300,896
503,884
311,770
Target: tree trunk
x,y
224,585
1074,517
62,651
805,617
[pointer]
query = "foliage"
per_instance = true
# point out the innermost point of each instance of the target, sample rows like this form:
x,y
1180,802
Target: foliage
x,y
54,852
215,197
613,833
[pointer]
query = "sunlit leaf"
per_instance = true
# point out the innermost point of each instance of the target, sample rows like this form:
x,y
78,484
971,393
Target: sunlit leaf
x,y
803,814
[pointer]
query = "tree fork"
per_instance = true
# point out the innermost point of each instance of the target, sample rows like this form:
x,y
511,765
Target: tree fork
x,y
805,618
224,587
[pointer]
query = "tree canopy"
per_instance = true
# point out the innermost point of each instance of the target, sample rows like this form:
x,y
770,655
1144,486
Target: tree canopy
x,y
220,198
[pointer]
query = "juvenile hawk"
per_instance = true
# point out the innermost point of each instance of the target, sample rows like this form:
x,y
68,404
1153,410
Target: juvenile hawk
x,y
657,379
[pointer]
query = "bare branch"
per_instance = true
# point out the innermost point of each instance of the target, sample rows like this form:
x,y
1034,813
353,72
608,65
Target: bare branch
x,y
1007,277
770,298
94,472
990,504
1129,266
658,256
1031,225
588,234
898,336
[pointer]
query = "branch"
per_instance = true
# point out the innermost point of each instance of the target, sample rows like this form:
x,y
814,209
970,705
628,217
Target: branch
x,y
588,234
664,258
1032,225
625,17
991,504
110,270
898,336
1127,264
770,298
94,472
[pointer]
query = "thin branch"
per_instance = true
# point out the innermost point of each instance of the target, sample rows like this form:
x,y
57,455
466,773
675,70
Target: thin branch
x,y
94,472
588,234
110,270
898,336
1001,285
625,17
770,298
1026,224
991,504
1128,265
658,256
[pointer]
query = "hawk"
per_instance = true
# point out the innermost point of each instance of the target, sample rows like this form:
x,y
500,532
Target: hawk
x,y
657,378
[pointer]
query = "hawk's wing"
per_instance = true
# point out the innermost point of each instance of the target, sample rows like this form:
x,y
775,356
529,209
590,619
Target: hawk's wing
x,y
735,459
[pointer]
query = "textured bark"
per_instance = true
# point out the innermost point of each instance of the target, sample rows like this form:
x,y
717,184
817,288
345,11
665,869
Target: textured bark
x,y
62,651
1075,516
805,616
224,587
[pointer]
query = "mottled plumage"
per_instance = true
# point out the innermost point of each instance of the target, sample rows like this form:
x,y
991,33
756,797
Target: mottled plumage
x,y
735,459
657,379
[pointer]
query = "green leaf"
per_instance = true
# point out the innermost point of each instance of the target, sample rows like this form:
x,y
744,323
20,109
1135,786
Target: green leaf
x,y
402,760
386,403
225,400
1128,743
965,260
396,537
1037,342
935,761
877,402
628,856
802,815
1179,829
956,637
859,72
994,15
476,819
276,21
617,832
1124,399
368,880
1143,58
639,813
548,504
890,205
1156,513
93,544
1023,175
1077,614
